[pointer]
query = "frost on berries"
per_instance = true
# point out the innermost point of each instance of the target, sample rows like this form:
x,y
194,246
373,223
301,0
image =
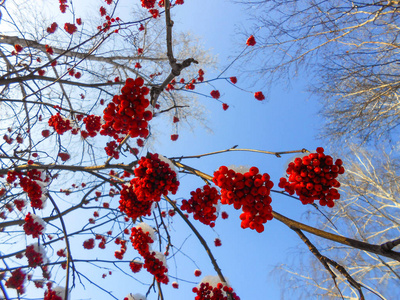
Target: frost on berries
x,y
212,288
154,262
135,297
17,280
154,178
313,177
34,225
36,255
59,123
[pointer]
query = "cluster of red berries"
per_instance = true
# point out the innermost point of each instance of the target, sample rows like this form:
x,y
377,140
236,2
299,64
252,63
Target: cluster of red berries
x,y
141,242
156,267
8,139
19,204
34,191
52,28
70,28
33,226
154,178
203,204
313,177
208,292
16,281
63,5
102,244
34,258
135,266
64,156
131,206
201,75
112,149
148,3
251,41
259,96
61,253
249,191
93,124
51,295
59,123
177,2
215,94
127,113
89,244
119,254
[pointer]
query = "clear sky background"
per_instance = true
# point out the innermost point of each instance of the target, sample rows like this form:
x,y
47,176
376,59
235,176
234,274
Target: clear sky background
x,y
286,120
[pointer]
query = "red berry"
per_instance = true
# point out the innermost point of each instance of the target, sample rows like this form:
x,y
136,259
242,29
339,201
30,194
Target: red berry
x,y
259,96
215,94
251,41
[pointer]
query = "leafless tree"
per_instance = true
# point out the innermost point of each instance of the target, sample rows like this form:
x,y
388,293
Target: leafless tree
x,y
348,49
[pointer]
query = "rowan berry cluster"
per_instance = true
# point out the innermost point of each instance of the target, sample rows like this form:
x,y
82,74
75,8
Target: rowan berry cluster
x,y
63,5
89,244
141,241
119,254
201,75
156,266
35,255
135,266
203,204
249,191
208,292
112,149
70,28
313,177
64,156
51,295
259,96
131,206
148,3
16,281
19,204
127,113
33,184
154,178
251,41
215,94
52,28
154,262
93,124
60,124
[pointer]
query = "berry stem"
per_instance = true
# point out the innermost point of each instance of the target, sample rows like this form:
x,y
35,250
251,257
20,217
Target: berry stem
x,y
277,154
201,239
69,257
